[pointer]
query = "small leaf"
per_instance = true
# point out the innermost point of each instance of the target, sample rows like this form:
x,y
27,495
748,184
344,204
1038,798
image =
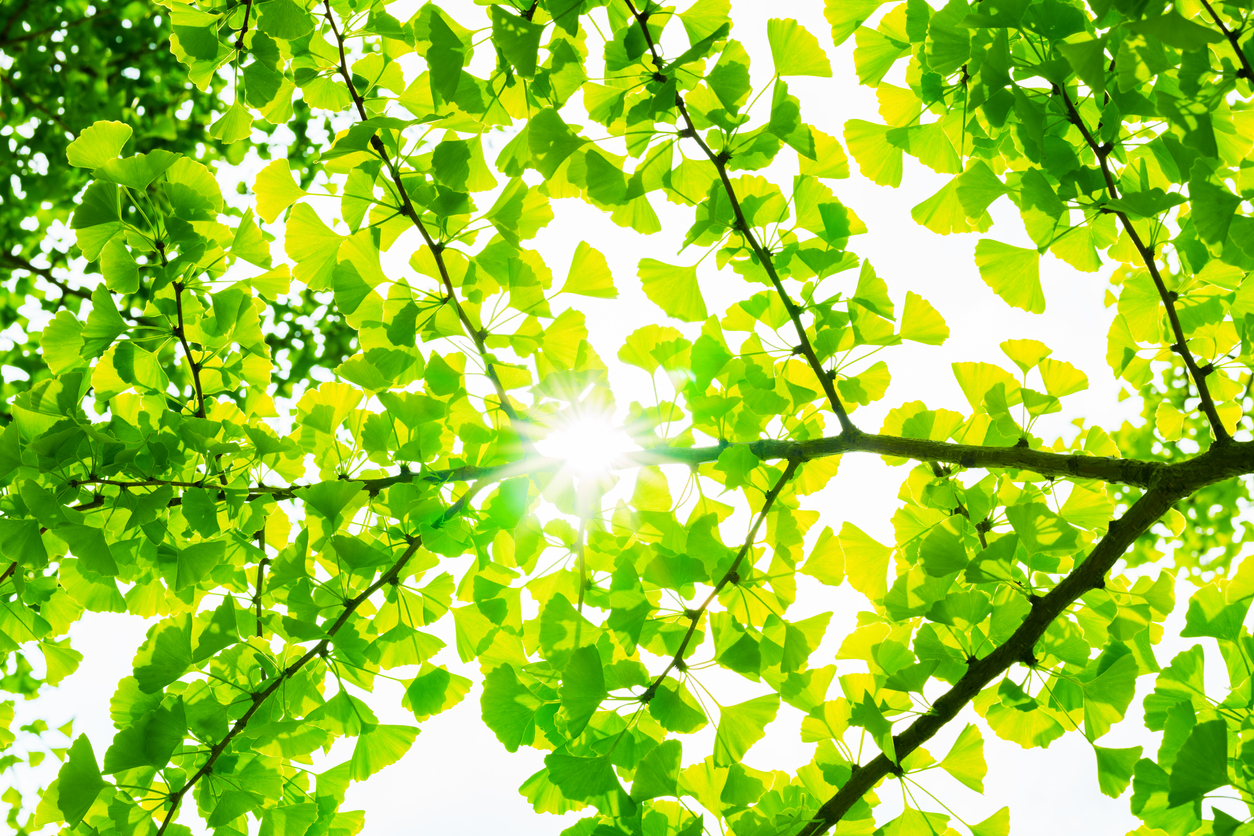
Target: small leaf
x,y
276,190
740,726
673,288
589,274
965,760
79,781
98,144
795,50
1013,273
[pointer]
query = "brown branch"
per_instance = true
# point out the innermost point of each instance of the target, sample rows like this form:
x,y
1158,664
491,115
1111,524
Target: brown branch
x,y
261,577
437,249
1017,649
8,573
730,576
180,331
826,379
1234,38
1168,297
259,698
239,42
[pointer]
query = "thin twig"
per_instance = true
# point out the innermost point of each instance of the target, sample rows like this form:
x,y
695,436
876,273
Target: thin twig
x,y
1168,297
805,347
437,249
732,576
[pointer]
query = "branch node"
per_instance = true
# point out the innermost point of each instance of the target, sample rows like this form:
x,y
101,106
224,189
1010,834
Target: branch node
x,y
1029,658
1178,348
680,665
733,578
971,660
1172,296
1206,370
1022,442
692,615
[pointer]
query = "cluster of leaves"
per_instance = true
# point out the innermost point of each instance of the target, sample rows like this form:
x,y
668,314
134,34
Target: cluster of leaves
x,y
293,556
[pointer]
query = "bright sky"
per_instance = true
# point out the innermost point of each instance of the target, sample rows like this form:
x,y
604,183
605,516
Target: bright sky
x,y
458,779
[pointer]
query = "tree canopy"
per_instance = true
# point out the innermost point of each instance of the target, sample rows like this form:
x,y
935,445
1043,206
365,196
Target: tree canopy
x,y
303,433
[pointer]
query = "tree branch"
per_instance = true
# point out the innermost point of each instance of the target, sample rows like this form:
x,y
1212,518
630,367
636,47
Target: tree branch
x,y
1234,38
730,576
437,249
239,42
826,380
181,333
259,698
1168,297
1018,648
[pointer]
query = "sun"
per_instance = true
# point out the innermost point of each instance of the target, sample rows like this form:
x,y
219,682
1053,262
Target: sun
x,y
590,445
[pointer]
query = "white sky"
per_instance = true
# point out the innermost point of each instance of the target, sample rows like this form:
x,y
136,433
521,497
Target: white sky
x,y
458,778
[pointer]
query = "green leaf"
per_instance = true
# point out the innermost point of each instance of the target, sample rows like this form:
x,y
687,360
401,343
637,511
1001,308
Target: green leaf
x,y
921,323
1107,697
275,190
1013,273
1114,769
795,51
591,781
583,689
866,561
589,274
1041,531
672,288
845,16
98,144
965,760
434,690
165,654
826,562
1174,30
1201,764
285,19
675,709
740,726
657,776
509,708
148,742
518,39
997,824
194,563
380,746
79,781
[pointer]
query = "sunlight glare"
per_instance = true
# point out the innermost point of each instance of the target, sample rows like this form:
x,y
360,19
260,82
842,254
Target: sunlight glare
x,y
591,446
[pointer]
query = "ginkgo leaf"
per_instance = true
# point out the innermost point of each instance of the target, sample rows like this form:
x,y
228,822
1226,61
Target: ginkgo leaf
x,y
795,50
742,725
380,746
866,561
589,274
673,288
98,144
921,323
79,781
1114,769
1013,273
276,190
965,760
